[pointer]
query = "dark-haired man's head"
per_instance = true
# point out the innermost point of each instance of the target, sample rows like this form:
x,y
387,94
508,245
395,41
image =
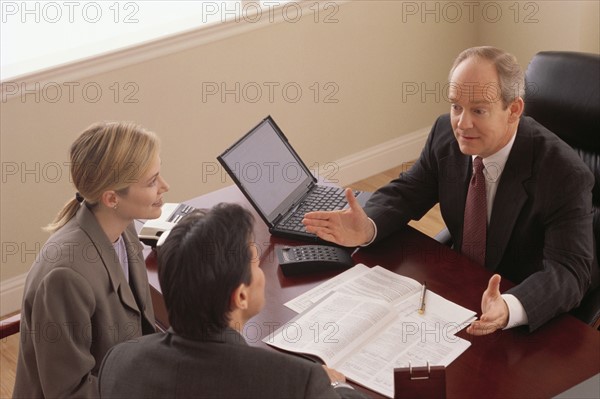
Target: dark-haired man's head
x,y
209,271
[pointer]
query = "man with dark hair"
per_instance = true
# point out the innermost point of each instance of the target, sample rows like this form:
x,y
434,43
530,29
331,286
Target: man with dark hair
x,y
515,198
212,285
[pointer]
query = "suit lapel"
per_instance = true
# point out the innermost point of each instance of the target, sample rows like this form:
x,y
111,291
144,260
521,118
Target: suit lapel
x,y
510,197
87,222
138,278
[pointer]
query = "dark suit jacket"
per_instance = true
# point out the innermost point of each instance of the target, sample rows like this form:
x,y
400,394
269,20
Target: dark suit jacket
x,y
220,366
540,232
77,304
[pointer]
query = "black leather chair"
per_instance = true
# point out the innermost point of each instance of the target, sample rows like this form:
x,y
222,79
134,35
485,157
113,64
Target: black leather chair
x,y
562,92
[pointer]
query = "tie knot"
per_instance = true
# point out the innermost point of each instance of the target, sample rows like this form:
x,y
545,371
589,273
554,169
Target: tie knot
x,y
478,164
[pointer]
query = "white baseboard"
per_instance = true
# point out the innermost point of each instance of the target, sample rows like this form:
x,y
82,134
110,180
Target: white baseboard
x,y
376,159
11,294
346,170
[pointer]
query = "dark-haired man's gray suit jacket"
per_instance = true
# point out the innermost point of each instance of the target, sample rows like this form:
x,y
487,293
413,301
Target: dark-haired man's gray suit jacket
x,y
540,232
219,366
77,304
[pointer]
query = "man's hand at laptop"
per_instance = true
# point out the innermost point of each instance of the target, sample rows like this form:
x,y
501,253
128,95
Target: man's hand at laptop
x,y
349,227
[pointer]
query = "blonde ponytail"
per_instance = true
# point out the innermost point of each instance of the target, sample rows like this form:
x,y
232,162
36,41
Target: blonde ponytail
x,y
65,214
106,156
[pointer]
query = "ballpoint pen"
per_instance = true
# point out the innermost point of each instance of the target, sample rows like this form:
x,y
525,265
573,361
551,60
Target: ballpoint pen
x,y
422,300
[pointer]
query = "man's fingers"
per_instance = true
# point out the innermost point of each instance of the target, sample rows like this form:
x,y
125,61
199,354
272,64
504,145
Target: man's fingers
x,y
322,215
494,284
318,230
310,222
482,328
352,201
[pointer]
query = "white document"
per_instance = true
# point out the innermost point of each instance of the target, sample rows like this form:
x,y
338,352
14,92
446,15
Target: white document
x,y
365,322
309,298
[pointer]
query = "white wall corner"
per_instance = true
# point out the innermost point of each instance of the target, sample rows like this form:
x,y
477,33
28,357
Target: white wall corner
x,y
376,159
11,294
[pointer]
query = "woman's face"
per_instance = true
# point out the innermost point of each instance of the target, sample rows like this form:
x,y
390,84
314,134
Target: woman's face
x,y
143,199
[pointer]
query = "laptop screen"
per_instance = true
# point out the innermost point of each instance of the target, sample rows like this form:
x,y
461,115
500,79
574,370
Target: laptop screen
x,y
267,169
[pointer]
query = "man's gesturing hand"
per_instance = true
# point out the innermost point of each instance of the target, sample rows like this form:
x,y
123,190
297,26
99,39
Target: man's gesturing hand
x,y
349,227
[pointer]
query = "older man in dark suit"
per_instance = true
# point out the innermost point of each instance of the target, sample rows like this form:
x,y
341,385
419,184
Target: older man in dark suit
x,y
212,285
534,205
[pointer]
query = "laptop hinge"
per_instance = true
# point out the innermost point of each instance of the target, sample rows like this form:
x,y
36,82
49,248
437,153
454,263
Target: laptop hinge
x,y
292,210
277,219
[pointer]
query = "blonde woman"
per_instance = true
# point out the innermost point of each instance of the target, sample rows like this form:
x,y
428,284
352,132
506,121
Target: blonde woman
x,y
88,288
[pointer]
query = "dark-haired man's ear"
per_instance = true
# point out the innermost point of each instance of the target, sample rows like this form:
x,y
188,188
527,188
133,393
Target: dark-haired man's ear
x,y
239,298
238,306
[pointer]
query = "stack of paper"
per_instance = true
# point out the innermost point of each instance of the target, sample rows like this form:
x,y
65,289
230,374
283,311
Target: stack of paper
x,y
365,322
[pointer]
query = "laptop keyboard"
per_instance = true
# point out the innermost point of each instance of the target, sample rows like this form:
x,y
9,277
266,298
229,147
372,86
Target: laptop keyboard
x,y
322,198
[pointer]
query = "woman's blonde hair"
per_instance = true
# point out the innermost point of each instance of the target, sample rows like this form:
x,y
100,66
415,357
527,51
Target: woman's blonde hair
x,y
106,156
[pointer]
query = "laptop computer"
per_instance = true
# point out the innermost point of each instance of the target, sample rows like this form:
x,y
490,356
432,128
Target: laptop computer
x,y
278,183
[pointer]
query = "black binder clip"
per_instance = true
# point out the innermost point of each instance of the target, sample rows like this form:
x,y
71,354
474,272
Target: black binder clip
x,y
420,382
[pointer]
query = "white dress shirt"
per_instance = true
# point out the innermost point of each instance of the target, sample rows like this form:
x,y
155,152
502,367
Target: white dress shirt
x,y
493,168
121,251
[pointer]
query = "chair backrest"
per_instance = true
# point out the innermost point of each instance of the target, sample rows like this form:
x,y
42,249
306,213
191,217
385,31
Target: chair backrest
x,y
562,92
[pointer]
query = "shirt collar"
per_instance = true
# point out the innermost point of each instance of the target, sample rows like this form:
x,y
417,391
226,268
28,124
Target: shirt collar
x,y
227,336
494,164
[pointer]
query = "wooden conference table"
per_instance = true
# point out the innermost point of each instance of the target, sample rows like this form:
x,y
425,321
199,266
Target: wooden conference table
x,y
505,364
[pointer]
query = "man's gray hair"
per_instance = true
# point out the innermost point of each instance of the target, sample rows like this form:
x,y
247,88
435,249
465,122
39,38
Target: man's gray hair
x,y
510,74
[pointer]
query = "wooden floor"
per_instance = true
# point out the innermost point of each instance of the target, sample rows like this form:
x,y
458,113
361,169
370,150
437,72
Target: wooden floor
x,y
430,224
9,348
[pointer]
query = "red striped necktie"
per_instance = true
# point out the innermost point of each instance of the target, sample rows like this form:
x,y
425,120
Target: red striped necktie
x,y
475,222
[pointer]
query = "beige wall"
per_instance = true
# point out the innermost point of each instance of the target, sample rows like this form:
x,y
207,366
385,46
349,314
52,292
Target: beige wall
x,y
374,51
543,26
